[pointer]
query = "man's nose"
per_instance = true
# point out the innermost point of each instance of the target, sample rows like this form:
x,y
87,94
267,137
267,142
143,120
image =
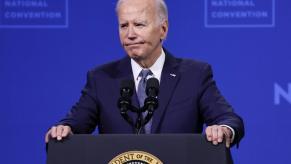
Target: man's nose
x,y
131,33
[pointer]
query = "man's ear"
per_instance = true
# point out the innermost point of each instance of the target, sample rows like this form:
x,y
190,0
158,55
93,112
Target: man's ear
x,y
164,29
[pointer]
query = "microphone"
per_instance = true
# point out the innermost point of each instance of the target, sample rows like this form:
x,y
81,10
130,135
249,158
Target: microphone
x,y
152,87
151,102
124,102
126,88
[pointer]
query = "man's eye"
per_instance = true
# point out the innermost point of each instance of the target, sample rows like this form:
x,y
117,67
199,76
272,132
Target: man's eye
x,y
139,25
123,25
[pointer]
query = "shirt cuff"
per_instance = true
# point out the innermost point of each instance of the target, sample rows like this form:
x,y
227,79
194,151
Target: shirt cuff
x,y
232,130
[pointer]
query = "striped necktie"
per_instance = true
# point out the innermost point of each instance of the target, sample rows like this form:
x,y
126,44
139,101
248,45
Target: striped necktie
x,y
142,95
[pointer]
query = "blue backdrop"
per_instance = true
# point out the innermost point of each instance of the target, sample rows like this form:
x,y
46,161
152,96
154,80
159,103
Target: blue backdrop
x,y
47,47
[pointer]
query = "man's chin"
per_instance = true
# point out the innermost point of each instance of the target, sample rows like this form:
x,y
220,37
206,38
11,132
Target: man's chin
x,y
135,56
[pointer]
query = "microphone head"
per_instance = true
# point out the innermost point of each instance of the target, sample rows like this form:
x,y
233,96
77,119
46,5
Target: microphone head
x,y
126,88
152,88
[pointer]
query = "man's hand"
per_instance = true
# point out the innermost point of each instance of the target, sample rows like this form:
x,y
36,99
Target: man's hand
x,y
216,134
58,132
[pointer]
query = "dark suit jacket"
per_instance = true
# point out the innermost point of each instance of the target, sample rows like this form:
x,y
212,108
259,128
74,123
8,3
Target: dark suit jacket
x,y
186,101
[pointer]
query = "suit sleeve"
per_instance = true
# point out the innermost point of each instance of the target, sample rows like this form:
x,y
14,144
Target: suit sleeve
x,y
215,109
83,117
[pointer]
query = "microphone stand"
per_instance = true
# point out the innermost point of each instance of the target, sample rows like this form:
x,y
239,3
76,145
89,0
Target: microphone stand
x,y
140,120
150,104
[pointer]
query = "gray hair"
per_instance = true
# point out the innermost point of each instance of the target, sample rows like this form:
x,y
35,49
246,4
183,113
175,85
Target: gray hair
x,y
162,9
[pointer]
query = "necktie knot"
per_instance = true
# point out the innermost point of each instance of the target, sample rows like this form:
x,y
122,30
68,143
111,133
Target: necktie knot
x,y
144,73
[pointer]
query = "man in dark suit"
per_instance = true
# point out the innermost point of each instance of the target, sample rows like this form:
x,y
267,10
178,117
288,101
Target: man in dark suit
x,y
188,95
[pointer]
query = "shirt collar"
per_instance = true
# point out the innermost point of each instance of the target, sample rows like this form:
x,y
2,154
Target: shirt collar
x,y
156,68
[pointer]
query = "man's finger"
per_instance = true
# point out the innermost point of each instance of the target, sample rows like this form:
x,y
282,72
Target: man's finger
x,y
227,134
53,133
227,141
208,133
47,136
66,131
220,134
59,132
214,135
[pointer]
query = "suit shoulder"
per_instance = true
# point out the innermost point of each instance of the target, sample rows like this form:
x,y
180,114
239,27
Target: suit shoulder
x,y
192,65
108,68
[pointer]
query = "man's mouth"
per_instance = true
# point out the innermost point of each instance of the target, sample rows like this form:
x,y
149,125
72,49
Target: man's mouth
x,y
133,44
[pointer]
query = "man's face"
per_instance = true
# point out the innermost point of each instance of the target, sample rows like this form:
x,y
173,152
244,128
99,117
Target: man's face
x,y
140,30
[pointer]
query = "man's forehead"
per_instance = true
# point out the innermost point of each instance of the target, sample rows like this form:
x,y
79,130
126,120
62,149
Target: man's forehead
x,y
133,12
137,2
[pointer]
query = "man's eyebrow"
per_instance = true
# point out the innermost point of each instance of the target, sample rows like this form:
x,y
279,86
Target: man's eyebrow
x,y
122,22
141,21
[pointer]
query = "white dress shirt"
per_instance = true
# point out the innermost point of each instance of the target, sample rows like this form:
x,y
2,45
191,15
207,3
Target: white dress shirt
x,y
156,69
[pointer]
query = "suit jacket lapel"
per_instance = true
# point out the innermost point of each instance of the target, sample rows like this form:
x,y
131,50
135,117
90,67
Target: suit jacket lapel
x,y
169,79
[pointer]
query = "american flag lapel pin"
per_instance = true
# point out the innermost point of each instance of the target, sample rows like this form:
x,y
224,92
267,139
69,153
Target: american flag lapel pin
x,y
173,75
